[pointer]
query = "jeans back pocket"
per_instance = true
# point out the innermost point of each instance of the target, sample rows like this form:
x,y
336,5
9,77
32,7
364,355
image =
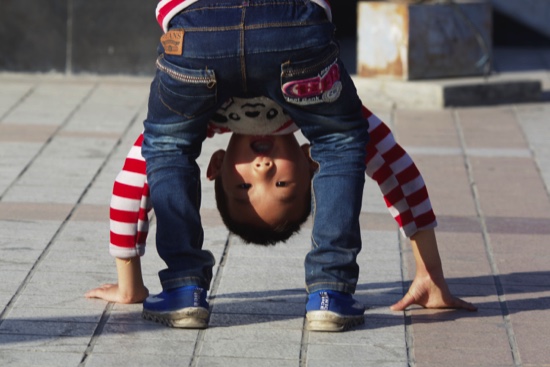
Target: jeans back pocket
x,y
186,92
313,79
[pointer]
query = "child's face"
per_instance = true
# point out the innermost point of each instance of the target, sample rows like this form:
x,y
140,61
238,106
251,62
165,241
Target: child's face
x,y
266,178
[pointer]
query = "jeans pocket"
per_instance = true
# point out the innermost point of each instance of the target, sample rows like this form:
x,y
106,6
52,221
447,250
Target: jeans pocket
x,y
186,92
312,79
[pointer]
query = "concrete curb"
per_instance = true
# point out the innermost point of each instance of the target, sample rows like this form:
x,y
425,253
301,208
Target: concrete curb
x,y
457,92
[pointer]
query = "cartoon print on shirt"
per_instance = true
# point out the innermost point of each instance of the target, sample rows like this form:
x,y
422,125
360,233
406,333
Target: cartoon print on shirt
x,y
250,116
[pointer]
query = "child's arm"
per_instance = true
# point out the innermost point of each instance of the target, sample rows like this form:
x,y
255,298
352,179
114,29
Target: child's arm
x,y
408,201
129,224
130,287
429,288
130,205
398,178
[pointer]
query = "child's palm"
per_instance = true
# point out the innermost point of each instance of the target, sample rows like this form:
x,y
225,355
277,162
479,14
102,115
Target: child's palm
x,y
431,293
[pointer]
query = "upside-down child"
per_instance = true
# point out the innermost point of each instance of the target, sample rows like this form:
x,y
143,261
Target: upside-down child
x,y
264,176
284,50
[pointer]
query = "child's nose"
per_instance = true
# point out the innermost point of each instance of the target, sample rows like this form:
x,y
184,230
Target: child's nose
x,y
263,166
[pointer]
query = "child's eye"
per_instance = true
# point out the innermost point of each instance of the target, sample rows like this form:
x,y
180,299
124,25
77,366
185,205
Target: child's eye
x,y
280,184
245,186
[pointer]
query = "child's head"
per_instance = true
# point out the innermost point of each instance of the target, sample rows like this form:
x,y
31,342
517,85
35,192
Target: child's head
x,y
263,186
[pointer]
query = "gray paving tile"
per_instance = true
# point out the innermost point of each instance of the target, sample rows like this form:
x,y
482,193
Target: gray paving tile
x,y
258,315
335,352
37,108
44,358
274,305
290,322
135,345
53,314
46,328
252,333
280,277
110,108
12,92
245,362
363,363
24,343
129,314
475,357
137,359
146,330
252,349
5,298
62,301
11,280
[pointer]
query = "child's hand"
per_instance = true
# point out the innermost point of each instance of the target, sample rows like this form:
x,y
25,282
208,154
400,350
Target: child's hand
x,y
431,293
113,293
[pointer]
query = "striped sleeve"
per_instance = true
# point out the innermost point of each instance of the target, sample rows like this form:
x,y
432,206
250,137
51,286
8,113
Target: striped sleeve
x,y
130,206
400,181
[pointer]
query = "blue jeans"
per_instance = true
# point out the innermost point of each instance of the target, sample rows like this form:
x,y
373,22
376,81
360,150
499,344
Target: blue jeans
x,y
282,49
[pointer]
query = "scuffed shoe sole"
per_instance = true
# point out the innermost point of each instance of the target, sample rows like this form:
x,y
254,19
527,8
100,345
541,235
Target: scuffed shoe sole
x,y
188,318
331,321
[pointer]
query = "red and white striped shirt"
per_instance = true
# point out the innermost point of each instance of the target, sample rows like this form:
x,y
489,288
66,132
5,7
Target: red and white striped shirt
x,y
167,9
387,163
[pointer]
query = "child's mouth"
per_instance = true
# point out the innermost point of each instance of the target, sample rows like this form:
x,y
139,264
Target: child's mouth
x,y
262,144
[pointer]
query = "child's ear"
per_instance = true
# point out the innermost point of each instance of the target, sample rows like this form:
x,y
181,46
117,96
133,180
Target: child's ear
x,y
312,164
215,165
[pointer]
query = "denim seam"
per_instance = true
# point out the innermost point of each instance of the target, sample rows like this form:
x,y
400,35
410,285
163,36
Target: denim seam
x,y
283,24
251,27
242,56
237,6
314,204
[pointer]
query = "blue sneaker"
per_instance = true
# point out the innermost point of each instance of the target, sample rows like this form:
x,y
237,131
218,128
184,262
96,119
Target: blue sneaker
x,y
333,311
184,307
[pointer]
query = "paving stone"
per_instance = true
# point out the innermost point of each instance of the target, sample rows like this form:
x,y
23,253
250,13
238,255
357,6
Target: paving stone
x,y
25,343
46,328
45,358
133,345
37,109
487,171
54,244
491,128
252,349
137,359
12,92
478,356
335,352
320,363
290,322
238,362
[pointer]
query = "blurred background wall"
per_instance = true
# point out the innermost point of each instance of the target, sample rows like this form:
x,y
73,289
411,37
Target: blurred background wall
x,y
120,36
78,36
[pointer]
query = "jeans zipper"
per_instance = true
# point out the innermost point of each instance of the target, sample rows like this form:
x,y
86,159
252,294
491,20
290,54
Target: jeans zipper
x,y
208,80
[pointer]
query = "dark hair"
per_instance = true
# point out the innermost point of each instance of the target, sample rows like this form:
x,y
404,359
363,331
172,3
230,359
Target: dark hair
x,y
250,233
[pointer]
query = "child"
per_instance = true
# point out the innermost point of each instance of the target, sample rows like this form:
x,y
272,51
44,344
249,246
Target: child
x,y
387,163
284,50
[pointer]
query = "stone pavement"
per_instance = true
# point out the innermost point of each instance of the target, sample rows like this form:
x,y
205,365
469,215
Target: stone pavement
x,y
63,140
